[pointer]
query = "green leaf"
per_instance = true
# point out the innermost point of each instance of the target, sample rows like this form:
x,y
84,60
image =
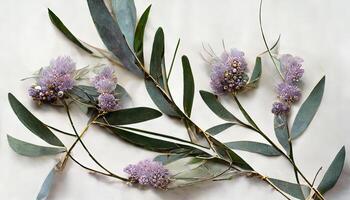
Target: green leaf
x,y
140,30
112,36
169,158
47,185
256,72
188,86
32,123
292,189
61,27
132,115
214,105
157,64
308,110
333,172
125,14
219,128
32,150
281,132
254,147
162,102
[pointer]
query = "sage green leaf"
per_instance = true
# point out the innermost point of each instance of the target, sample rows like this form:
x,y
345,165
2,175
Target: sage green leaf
x,y
256,72
125,14
32,123
47,185
132,115
188,86
308,109
162,102
219,128
112,36
140,30
333,172
157,64
32,150
169,158
282,132
254,147
292,189
61,27
215,106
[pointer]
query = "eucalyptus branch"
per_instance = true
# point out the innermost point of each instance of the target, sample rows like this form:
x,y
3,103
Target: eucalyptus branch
x,y
58,130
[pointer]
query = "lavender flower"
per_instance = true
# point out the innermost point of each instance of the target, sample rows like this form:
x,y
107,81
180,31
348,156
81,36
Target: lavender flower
x,y
279,108
288,93
54,80
149,173
107,102
292,68
105,81
228,72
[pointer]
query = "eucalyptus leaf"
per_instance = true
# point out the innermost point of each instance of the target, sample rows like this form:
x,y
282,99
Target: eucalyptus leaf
x,y
308,109
32,123
292,189
256,72
219,128
282,132
139,33
125,14
112,36
132,115
32,150
254,147
47,185
168,158
188,86
214,105
333,172
157,64
60,26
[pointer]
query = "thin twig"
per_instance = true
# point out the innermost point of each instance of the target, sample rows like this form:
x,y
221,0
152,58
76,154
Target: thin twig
x,y
58,130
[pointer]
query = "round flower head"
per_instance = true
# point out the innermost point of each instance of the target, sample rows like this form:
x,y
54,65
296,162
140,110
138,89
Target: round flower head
x,y
107,102
149,173
288,93
42,95
279,108
105,81
228,72
292,68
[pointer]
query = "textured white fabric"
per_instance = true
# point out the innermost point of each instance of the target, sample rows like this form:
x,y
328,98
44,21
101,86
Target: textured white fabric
x,y
316,30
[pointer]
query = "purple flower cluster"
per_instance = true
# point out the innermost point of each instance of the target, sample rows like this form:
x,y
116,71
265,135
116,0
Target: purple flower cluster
x,y
149,173
288,91
54,80
228,72
105,83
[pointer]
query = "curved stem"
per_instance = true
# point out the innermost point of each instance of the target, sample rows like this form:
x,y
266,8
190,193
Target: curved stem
x,y
58,130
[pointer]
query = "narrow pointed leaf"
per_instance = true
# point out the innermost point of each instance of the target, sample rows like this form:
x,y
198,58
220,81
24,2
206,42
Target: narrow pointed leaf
x,y
132,115
256,72
125,14
281,132
188,86
214,105
32,123
169,158
112,36
308,109
292,189
47,185
61,27
157,64
32,150
219,128
254,147
139,33
333,172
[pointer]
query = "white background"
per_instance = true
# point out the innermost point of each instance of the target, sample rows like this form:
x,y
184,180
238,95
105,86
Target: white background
x,y
317,31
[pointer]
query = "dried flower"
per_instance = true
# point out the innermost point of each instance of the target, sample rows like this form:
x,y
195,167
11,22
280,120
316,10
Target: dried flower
x,y
105,81
54,80
149,173
292,68
107,102
228,72
288,93
279,108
